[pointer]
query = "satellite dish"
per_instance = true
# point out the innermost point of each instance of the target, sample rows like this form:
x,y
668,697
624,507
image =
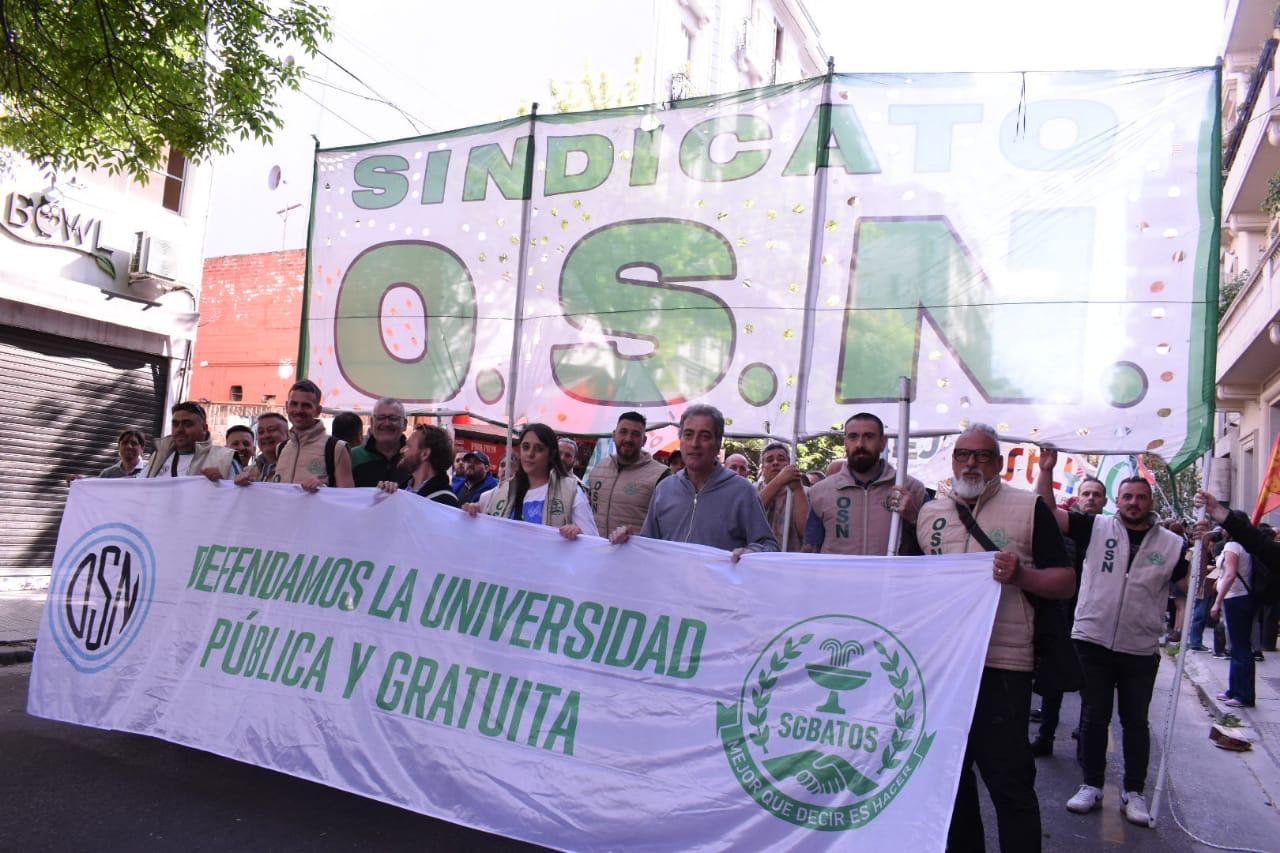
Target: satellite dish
x,y
274,178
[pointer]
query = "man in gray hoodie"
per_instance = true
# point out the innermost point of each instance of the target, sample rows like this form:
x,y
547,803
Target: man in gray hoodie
x,y
705,503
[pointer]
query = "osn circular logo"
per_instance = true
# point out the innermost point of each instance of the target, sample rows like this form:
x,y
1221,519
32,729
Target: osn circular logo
x,y
830,724
99,595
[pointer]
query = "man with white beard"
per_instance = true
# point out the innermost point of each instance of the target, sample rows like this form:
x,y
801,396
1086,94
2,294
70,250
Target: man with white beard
x,y
982,513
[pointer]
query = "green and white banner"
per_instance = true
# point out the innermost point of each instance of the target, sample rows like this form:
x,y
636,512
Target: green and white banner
x,y
1036,250
648,696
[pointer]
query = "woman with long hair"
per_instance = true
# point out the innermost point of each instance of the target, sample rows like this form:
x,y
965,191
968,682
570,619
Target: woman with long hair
x,y
540,491
1235,598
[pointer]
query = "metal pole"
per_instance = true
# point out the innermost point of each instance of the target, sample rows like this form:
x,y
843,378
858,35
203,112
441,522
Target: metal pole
x,y
513,370
904,435
1193,584
814,274
786,505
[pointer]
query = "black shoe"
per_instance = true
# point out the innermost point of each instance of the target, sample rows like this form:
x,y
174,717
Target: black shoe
x,y
1257,656
1035,715
1042,746
1199,648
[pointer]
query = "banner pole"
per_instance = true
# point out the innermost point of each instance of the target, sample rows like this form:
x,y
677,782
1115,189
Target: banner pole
x,y
900,477
522,278
786,505
814,273
1171,715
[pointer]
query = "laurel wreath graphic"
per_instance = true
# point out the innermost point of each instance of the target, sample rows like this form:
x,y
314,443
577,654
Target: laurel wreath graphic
x,y
766,681
904,699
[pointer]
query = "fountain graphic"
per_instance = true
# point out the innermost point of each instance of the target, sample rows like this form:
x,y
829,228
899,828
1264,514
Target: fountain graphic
x,y
835,676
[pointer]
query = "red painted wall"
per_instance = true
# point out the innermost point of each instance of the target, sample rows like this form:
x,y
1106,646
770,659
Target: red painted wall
x,y
250,314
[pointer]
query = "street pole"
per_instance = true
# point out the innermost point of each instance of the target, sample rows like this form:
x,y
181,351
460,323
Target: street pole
x,y
1193,583
517,330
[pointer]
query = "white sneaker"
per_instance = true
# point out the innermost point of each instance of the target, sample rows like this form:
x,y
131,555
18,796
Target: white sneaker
x,y
1135,808
1085,800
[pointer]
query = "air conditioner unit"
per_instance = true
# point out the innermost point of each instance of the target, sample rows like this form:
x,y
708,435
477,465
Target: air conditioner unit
x,y
154,257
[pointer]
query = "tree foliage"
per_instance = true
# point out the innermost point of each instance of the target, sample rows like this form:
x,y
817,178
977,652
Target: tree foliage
x,y
113,84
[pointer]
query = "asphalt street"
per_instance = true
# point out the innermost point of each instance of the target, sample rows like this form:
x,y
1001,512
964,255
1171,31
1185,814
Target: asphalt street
x,y
70,788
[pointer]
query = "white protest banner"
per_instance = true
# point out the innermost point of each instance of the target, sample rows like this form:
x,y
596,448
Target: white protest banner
x,y
1037,251
649,696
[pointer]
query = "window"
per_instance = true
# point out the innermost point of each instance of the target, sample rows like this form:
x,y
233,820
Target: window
x,y
174,177
237,393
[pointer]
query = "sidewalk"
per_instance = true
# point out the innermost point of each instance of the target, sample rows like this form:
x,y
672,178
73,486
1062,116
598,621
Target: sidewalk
x,y
1259,724
20,613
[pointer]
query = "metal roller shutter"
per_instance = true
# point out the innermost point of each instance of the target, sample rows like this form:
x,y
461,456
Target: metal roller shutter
x,y
62,404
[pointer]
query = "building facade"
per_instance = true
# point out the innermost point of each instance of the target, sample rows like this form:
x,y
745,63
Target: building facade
x,y
1248,359
99,296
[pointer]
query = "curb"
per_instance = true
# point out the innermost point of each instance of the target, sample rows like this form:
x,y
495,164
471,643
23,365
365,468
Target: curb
x,y
1215,706
16,653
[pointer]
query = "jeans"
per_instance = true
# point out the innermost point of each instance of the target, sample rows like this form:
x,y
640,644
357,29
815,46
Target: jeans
x,y
1270,626
1130,678
1199,615
998,746
1239,612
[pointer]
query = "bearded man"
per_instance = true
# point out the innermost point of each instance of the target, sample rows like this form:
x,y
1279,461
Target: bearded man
x,y
850,511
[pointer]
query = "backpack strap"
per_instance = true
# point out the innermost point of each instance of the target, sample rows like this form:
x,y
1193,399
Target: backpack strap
x,y
971,525
330,451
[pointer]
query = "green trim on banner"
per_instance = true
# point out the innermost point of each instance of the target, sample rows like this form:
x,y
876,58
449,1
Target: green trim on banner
x,y
430,137
747,95
700,102
1204,305
304,334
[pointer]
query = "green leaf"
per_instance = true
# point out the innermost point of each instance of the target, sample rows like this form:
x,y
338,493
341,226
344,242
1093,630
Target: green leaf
x,y
900,679
104,263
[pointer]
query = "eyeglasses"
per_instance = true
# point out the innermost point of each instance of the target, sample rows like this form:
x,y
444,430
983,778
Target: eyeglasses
x,y
387,418
982,457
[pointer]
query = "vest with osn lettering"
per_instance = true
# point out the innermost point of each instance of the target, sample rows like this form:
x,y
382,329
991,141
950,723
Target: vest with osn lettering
x,y
856,520
1007,516
621,497
556,512
1122,606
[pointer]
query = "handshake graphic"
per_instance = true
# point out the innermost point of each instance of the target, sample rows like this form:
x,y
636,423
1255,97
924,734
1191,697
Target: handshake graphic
x,y
819,772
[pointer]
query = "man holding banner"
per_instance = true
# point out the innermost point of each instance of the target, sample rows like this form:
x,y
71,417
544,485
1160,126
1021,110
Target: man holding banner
x,y
731,516
983,513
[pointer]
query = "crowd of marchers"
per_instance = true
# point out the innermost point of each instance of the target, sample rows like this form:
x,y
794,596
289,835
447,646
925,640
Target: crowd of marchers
x,y
1084,596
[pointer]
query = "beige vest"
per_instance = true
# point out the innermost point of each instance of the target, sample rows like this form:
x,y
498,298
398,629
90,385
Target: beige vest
x,y
855,518
622,496
205,455
1122,606
558,510
1007,515
302,456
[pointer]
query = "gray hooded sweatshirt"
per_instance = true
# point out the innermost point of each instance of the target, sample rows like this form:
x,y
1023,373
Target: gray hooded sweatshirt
x,y
726,514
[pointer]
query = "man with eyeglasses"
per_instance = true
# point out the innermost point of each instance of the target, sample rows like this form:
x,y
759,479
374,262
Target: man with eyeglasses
x,y
983,513
850,511
378,459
